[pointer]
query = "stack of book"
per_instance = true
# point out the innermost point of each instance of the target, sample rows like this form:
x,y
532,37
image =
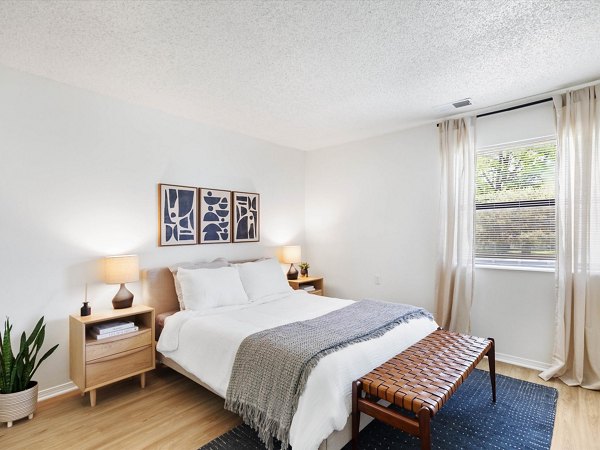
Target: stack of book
x,y
111,329
308,287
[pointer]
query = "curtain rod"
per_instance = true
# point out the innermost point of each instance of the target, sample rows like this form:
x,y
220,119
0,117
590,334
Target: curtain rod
x,y
524,105
512,108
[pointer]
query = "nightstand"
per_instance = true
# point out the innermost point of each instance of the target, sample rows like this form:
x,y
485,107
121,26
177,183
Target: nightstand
x,y
96,363
317,282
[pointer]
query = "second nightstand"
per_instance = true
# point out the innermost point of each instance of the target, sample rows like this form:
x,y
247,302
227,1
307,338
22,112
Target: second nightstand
x,y
96,363
301,282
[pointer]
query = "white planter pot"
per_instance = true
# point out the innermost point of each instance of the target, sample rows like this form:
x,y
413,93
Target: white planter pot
x,y
18,404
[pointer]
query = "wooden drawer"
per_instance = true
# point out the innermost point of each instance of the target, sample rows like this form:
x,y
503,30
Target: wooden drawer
x,y
112,368
99,349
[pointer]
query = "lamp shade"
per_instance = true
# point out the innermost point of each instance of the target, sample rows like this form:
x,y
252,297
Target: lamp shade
x,y
121,269
291,254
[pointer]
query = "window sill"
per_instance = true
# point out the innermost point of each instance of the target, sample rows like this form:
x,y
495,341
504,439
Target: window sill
x,y
517,268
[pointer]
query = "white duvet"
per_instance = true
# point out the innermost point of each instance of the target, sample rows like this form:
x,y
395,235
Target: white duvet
x,y
205,344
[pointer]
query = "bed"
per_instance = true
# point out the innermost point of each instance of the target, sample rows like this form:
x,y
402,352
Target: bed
x,y
202,345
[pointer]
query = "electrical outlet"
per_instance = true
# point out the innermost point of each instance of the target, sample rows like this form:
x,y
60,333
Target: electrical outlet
x,y
377,279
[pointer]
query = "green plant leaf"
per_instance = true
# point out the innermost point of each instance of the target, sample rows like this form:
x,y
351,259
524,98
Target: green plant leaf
x,y
7,354
17,376
39,341
43,358
23,361
35,331
3,381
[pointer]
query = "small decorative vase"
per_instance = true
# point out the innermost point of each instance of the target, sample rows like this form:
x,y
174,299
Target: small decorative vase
x,y
304,272
86,309
18,404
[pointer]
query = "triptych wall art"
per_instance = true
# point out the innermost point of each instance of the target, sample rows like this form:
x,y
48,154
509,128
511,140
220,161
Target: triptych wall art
x,y
189,215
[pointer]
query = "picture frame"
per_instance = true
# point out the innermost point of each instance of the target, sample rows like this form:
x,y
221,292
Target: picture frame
x,y
246,216
214,216
177,215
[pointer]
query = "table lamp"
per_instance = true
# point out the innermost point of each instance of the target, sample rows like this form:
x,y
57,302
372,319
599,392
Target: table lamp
x,y
120,270
291,254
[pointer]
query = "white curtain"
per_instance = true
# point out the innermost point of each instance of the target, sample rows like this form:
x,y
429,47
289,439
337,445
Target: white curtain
x,y
576,357
454,287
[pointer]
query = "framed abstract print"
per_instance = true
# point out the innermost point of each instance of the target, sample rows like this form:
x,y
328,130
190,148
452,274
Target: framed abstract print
x,y
178,211
215,216
246,217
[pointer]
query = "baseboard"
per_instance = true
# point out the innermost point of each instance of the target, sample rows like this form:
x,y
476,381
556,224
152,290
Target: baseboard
x,y
523,362
55,391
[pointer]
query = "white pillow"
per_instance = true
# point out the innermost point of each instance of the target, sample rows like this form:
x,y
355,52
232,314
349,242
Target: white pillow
x,y
219,262
263,278
210,288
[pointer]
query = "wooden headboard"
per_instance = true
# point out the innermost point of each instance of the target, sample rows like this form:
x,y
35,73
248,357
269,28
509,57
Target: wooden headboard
x,y
158,290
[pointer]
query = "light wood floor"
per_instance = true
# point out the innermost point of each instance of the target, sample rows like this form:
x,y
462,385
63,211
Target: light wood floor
x,y
175,413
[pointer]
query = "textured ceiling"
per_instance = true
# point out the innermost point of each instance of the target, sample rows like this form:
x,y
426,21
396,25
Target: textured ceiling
x,y
306,74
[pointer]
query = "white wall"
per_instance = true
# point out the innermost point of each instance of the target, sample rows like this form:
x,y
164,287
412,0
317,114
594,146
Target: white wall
x,y
517,309
78,181
372,209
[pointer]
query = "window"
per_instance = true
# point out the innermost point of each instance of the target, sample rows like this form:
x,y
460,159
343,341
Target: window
x,y
515,216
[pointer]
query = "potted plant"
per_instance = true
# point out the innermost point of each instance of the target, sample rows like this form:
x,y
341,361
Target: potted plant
x,y
18,393
304,269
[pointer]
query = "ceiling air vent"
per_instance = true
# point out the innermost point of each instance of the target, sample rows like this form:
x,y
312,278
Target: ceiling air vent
x,y
462,103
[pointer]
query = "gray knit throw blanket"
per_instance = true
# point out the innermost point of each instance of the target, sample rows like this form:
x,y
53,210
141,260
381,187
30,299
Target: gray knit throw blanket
x,y
272,366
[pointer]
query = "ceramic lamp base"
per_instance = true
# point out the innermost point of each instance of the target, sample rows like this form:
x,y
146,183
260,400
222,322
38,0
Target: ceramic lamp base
x,y
292,273
123,299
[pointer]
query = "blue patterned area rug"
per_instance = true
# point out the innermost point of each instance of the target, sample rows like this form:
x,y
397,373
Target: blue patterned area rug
x,y
521,418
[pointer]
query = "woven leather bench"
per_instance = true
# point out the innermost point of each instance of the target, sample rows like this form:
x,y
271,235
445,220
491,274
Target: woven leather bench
x,y
421,380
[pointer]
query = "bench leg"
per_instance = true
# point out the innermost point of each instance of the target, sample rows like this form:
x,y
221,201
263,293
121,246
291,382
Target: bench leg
x,y
356,390
491,354
425,428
